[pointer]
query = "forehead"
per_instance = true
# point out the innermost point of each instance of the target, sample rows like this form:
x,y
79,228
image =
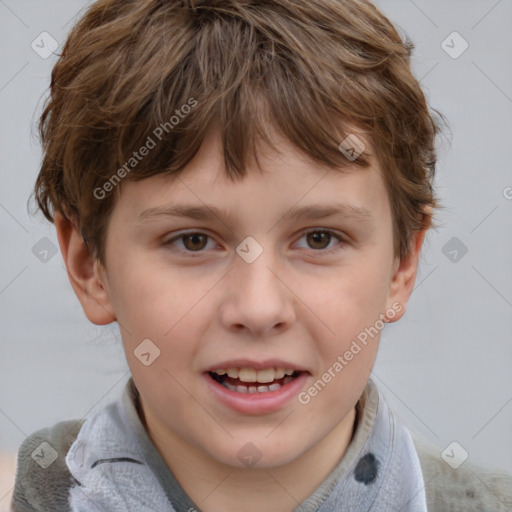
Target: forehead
x,y
282,179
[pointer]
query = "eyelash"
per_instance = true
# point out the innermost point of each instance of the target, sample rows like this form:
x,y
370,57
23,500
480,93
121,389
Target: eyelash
x,y
320,252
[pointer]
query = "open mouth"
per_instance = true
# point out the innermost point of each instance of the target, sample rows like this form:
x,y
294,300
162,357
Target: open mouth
x,y
249,380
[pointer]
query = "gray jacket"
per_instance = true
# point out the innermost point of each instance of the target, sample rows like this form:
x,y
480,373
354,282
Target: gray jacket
x,y
465,489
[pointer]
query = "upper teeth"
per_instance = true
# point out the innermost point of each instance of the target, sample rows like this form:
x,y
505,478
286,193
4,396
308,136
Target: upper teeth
x,y
252,375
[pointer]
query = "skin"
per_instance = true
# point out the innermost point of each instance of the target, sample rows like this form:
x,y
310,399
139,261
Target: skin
x,y
294,302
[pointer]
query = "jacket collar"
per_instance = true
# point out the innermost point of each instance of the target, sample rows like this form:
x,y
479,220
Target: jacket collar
x,y
114,470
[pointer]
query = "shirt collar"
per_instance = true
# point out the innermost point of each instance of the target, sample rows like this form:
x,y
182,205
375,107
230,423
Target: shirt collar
x,y
380,469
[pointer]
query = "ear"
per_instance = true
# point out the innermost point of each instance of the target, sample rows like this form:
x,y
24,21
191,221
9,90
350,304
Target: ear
x,y
404,277
86,275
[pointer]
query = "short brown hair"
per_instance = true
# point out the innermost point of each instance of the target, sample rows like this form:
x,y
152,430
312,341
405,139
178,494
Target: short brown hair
x,y
310,67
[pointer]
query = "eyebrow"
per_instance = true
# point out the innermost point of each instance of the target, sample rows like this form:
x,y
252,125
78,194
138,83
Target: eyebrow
x,y
205,212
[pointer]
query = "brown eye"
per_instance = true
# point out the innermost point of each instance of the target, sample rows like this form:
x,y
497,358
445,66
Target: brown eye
x,y
191,244
318,239
194,241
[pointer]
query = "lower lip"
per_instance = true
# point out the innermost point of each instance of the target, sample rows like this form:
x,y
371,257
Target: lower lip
x,y
256,403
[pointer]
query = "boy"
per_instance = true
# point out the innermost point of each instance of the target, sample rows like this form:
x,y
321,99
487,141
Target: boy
x,y
292,144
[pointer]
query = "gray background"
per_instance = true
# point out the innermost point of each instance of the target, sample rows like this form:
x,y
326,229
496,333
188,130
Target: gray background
x,y
445,368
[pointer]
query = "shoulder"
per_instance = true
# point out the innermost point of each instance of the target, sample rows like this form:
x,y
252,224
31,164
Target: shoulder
x,y
42,477
468,488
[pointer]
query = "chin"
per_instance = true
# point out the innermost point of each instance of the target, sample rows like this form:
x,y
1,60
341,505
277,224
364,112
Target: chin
x,y
253,454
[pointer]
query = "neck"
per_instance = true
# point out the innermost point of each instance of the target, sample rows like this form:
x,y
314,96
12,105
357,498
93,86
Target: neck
x,y
215,486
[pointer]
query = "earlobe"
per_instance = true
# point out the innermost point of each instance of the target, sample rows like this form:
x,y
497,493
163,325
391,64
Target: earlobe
x,y
404,276
85,273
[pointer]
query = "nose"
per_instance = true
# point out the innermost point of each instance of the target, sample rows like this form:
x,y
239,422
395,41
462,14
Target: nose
x,y
257,298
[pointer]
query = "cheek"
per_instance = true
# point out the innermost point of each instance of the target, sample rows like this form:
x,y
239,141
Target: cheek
x,y
164,307
173,309
347,303
160,304
352,308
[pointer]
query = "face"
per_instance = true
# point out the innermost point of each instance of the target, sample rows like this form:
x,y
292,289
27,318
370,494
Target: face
x,y
256,296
